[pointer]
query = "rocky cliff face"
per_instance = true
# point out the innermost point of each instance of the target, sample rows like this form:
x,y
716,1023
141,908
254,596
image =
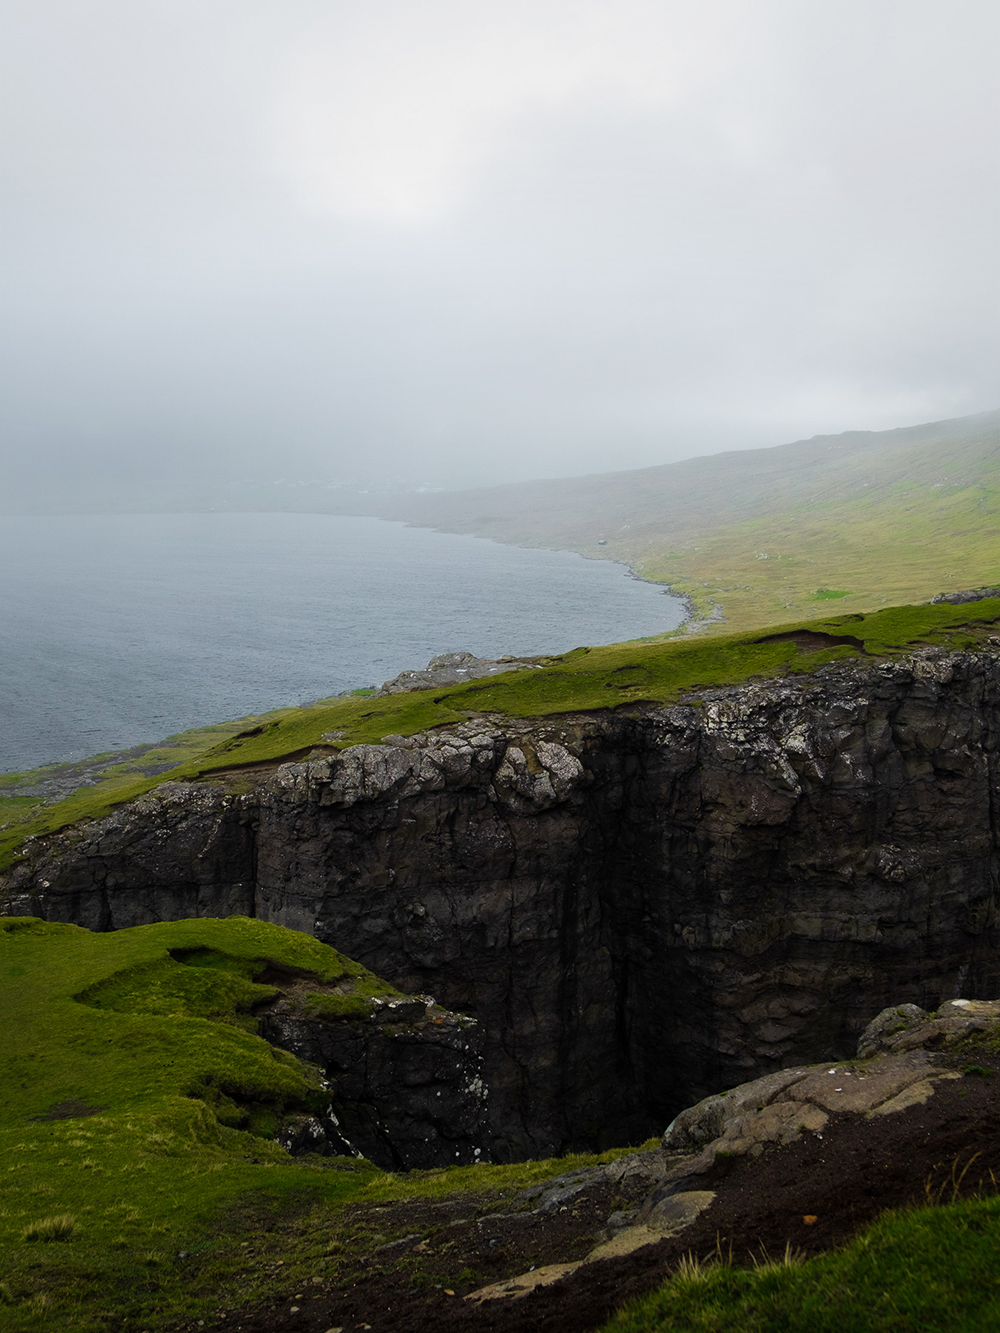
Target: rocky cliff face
x,y
405,1082
639,907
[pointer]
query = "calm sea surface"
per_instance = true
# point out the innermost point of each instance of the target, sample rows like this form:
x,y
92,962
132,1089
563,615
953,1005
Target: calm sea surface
x,y
125,629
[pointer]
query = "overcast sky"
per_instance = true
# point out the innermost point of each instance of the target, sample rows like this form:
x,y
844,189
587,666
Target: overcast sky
x,y
459,241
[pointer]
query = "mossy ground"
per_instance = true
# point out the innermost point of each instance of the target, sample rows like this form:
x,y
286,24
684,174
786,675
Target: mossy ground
x,y
586,679
163,1105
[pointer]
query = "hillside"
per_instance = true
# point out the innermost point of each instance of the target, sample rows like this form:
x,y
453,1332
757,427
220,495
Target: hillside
x,y
146,1189
867,518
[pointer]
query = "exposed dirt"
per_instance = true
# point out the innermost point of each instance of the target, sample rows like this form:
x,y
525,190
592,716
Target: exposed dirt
x,y
74,1109
841,1179
814,641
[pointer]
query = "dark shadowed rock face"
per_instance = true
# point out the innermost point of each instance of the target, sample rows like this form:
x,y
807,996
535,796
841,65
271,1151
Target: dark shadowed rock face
x,y
639,908
406,1086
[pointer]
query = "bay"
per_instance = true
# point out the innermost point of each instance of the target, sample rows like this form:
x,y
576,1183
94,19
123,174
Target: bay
x,y
117,630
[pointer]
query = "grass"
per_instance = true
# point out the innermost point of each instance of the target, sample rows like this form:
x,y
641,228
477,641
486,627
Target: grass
x,y
904,544
113,775
51,1228
920,1269
141,1188
137,1123
586,679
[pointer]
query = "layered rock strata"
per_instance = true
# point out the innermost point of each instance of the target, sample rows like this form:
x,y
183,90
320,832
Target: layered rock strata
x,y
641,907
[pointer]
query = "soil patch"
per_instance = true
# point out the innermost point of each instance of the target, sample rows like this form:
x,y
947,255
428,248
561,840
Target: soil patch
x,y
70,1110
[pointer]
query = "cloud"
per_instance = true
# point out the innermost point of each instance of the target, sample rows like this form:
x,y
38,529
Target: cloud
x,y
387,111
458,242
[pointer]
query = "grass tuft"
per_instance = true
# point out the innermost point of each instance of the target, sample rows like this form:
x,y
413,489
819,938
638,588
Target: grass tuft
x,y
51,1228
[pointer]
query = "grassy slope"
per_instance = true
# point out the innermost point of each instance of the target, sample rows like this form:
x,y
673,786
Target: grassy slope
x,y
929,1269
22,794
179,1157
905,544
585,679
885,517
182,1206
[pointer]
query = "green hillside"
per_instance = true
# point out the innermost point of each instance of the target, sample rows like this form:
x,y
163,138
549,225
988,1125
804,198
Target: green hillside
x,y
142,1189
878,518
137,1121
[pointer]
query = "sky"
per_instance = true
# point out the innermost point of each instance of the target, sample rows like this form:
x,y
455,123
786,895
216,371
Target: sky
x,y
451,243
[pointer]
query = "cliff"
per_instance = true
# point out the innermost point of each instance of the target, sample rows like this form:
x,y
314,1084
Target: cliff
x,y
640,907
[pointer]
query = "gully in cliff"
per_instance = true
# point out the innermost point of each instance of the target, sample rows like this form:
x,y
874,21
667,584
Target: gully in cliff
x,y
639,907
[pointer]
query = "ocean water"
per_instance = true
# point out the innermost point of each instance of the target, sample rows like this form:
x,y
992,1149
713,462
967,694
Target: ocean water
x,y
123,629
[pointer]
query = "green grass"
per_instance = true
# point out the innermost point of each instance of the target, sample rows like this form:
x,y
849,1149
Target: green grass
x,y
338,1007
151,1031
583,680
904,543
108,778
919,1270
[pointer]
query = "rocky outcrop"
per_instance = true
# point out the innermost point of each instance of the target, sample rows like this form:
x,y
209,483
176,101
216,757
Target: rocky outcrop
x,y
779,1107
904,1054
640,907
966,595
454,669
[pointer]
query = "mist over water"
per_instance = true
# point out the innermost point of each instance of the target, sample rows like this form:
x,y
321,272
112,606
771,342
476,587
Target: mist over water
x,y
123,629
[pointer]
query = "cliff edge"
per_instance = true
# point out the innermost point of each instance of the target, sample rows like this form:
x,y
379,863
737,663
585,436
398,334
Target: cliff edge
x,y
640,907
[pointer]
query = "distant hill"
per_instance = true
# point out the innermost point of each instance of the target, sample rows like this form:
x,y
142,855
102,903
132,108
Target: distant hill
x,y
863,519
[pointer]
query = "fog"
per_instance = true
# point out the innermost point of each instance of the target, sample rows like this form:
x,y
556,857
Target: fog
x,y
448,243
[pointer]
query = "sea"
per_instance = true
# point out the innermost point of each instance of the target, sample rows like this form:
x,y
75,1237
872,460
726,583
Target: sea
x,y
119,630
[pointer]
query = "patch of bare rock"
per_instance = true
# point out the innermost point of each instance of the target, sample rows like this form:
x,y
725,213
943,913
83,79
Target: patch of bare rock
x,y
454,669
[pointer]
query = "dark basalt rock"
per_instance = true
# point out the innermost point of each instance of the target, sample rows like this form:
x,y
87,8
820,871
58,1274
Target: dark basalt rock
x,y
406,1087
640,908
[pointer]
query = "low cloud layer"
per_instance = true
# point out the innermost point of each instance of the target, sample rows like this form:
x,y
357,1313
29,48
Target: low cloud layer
x,y
456,243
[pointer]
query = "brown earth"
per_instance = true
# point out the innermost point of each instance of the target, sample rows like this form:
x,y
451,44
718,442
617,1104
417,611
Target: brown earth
x,y
843,1179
